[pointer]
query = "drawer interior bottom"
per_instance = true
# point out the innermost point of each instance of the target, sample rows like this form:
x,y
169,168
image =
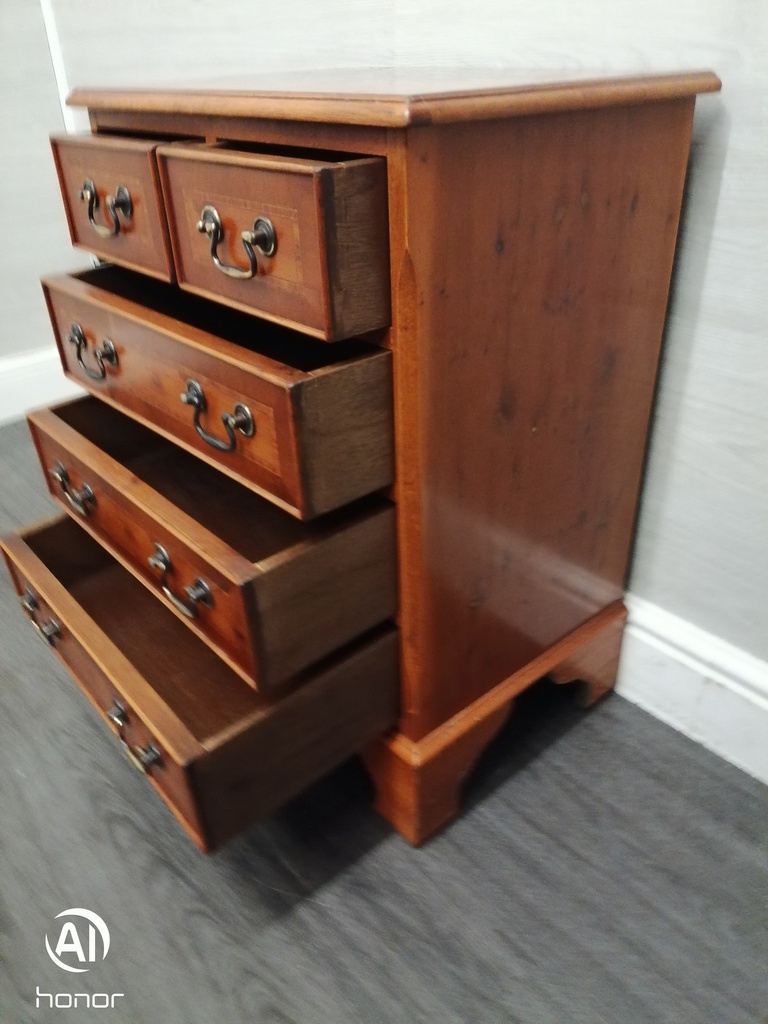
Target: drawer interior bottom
x,y
249,524
201,690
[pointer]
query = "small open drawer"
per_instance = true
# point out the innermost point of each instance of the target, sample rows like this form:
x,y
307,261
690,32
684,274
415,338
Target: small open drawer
x,y
301,239
219,754
113,202
305,424
270,594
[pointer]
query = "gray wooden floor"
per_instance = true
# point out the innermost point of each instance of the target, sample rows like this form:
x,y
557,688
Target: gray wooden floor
x,y
606,870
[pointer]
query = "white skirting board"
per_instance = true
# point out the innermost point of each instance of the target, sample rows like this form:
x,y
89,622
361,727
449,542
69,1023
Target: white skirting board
x,y
706,688
30,380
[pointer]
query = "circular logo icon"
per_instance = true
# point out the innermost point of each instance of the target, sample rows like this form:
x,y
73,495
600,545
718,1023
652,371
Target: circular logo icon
x,y
71,944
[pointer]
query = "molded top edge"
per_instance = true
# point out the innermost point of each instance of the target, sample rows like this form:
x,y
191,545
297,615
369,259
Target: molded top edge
x,y
390,98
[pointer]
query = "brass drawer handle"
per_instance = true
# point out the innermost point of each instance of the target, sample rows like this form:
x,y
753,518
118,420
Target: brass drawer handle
x,y
241,419
79,500
198,593
120,203
106,354
49,632
261,236
142,758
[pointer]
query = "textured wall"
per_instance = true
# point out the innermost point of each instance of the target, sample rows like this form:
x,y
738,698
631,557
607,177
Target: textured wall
x,y
701,550
35,238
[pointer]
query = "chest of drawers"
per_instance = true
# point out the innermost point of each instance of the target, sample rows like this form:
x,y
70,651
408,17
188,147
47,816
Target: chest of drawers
x,y
371,372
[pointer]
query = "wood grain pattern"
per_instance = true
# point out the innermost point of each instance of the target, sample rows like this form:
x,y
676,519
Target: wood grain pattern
x,y
419,783
521,422
399,97
142,241
328,274
560,855
159,350
119,644
283,594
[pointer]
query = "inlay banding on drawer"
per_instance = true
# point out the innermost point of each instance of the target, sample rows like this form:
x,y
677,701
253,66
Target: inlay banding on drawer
x,y
269,594
113,202
224,755
167,341
326,269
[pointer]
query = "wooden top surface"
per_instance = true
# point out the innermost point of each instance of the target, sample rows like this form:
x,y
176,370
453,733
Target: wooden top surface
x,y
396,98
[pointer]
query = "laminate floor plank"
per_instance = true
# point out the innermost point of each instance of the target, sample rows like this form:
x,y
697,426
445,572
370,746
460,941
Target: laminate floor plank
x,y
607,871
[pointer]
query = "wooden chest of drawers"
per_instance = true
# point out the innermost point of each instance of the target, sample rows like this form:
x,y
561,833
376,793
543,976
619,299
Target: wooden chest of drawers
x,y
371,376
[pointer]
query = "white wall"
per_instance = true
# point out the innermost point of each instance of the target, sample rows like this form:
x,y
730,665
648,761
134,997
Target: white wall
x,y
702,551
35,240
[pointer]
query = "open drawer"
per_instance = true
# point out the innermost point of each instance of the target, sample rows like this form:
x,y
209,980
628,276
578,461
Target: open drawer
x,y
270,594
113,202
219,754
307,425
301,239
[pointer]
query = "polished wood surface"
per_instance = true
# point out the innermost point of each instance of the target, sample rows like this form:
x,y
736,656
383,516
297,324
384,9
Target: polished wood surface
x,y
531,233
400,97
284,594
142,241
526,356
419,783
229,756
323,426
329,273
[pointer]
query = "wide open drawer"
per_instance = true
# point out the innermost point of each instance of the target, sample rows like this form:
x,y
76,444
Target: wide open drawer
x,y
315,428
301,240
270,594
112,197
219,754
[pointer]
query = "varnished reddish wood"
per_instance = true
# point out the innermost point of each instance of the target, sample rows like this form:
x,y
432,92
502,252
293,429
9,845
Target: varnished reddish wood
x,y
284,593
397,98
419,795
525,381
143,241
594,665
229,755
418,783
328,275
531,233
159,350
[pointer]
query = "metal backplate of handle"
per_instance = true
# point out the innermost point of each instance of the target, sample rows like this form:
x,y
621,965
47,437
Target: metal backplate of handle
x,y
198,593
241,419
142,758
121,203
49,632
261,237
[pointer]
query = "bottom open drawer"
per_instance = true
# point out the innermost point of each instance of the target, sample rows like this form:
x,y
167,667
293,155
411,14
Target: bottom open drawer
x,y
219,754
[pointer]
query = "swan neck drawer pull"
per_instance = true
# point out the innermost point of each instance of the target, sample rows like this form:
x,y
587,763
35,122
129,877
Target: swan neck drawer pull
x,y
49,632
198,593
261,237
142,758
82,500
241,419
119,203
106,354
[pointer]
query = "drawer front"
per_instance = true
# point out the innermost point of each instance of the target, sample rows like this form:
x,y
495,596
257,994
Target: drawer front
x,y
218,753
150,374
298,241
136,740
112,197
309,591
310,442
109,505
